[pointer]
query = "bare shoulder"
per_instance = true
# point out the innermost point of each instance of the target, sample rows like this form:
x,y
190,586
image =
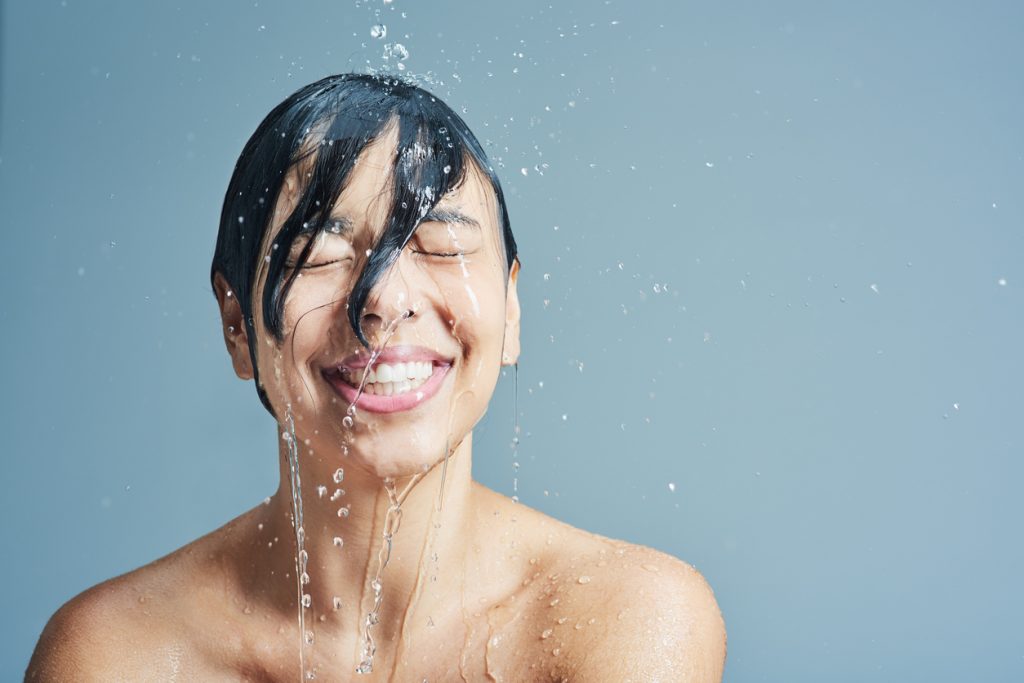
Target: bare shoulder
x,y
614,611
132,627
102,634
662,622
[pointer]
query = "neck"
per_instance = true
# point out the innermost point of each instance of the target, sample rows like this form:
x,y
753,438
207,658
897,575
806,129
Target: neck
x,y
398,548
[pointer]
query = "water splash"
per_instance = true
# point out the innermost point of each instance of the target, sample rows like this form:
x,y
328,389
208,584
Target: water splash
x,y
350,413
515,433
392,520
444,472
303,600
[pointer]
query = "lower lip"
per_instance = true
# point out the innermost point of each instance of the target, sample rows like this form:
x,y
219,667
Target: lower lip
x,y
373,403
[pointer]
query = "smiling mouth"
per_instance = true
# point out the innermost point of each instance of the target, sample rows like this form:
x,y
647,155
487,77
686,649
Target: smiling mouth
x,y
400,378
390,379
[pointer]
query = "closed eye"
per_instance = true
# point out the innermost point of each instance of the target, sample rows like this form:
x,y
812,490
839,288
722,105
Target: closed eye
x,y
321,264
443,254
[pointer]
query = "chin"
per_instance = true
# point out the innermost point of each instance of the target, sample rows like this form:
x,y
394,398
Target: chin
x,y
392,468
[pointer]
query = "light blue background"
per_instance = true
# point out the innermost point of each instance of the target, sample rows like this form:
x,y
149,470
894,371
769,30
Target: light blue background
x,y
762,263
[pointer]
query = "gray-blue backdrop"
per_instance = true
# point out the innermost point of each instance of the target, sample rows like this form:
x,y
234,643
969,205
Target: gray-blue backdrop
x,y
772,289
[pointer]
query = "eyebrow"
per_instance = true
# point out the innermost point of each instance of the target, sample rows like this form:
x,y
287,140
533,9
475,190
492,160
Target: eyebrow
x,y
450,216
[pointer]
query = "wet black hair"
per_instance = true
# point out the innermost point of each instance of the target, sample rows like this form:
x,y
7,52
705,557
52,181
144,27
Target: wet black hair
x,y
327,124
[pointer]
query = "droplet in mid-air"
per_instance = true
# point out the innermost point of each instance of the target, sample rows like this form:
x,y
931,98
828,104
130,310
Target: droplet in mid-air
x,y
378,31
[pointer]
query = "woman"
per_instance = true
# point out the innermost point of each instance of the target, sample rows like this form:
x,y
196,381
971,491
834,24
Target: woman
x,y
366,275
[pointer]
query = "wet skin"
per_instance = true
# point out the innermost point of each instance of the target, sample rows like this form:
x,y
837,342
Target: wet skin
x,y
478,587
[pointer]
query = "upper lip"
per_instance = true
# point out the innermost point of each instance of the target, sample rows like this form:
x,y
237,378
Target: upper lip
x,y
392,354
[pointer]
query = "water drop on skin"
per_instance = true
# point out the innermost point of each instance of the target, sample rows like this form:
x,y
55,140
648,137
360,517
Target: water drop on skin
x,y
339,476
338,541
347,422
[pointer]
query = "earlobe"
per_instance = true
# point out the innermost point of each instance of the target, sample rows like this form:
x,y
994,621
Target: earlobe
x,y
510,348
236,337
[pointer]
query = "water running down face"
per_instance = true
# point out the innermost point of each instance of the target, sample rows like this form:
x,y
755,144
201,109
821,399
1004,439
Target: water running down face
x,y
443,318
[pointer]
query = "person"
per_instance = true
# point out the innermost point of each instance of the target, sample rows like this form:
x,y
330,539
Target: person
x,y
366,272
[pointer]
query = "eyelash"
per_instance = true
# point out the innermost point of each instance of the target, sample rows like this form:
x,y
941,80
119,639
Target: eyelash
x,y
442,254
313,266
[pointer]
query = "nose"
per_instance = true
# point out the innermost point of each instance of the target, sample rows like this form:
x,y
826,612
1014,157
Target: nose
x,y
388,304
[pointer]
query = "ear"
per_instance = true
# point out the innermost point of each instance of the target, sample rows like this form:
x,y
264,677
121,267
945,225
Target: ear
x,y
236,338
510,348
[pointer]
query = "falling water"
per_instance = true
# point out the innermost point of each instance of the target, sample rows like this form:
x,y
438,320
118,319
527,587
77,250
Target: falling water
x,y
515,433
301,557
392,520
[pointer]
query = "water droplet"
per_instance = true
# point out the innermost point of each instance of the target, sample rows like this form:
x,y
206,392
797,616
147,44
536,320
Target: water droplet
x,y
343,512
307,600
338,541
337,602
339,475
398,51
378,31
583,579
1002,281
321,491
546,633
347,422
672,487
447,169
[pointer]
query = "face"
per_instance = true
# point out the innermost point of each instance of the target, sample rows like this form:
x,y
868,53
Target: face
x,y
440,324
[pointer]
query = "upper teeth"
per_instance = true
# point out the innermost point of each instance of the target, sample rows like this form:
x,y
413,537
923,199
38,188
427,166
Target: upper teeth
x,y
392,378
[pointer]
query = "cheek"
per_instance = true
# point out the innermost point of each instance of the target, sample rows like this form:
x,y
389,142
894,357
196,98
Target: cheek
x,y
310,317
476,298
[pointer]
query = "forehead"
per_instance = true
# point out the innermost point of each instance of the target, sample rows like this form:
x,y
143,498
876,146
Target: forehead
x,y
368,194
